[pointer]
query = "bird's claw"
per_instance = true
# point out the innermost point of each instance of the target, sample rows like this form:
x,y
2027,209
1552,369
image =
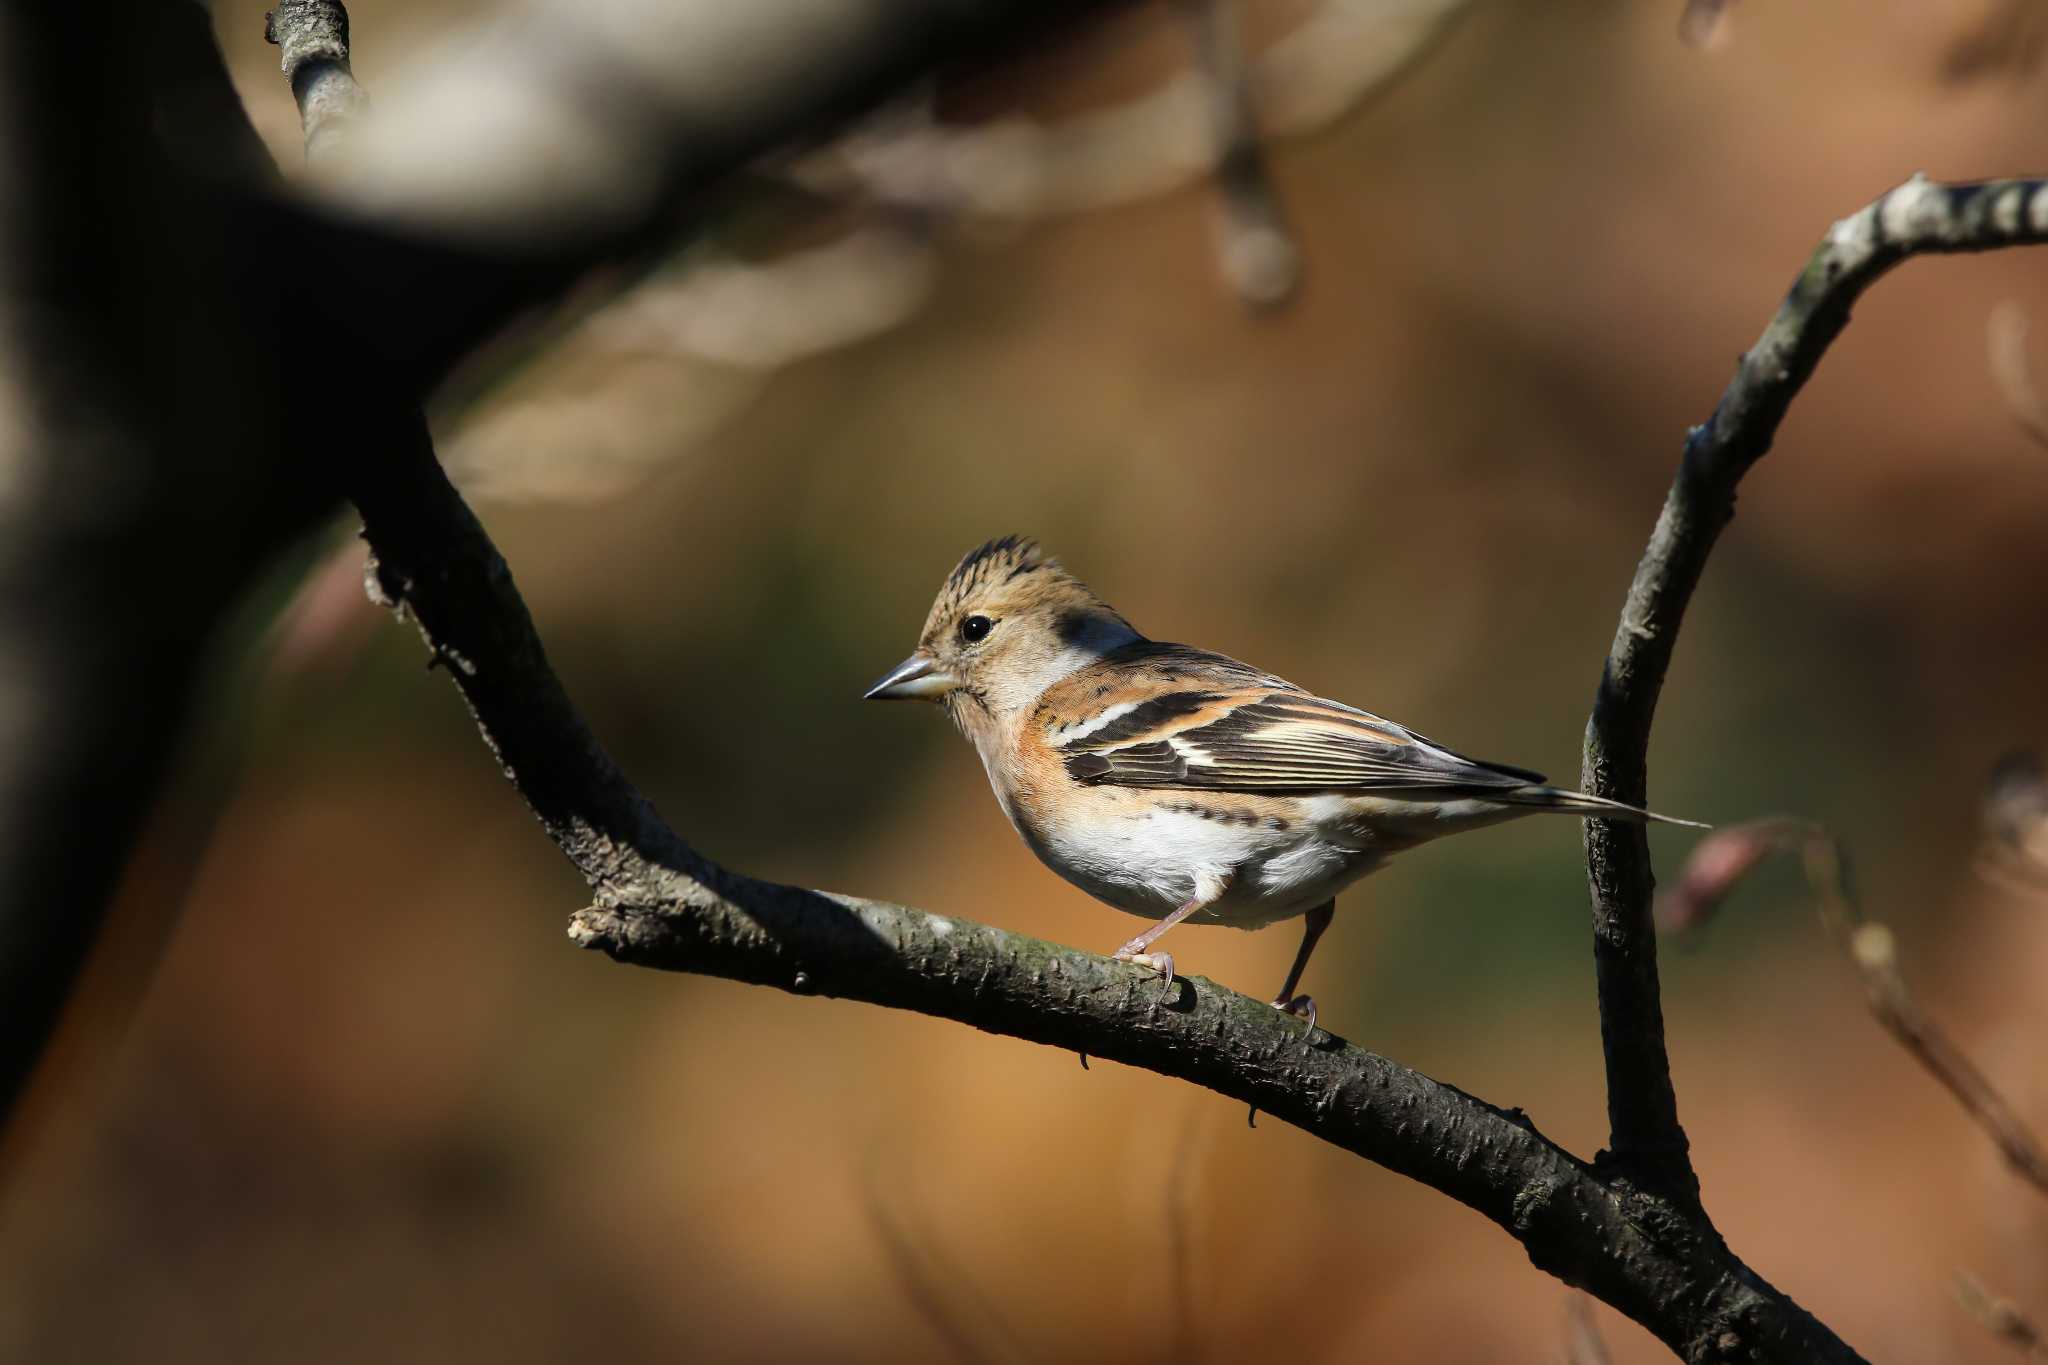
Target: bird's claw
x,y
1301,1007
1158,962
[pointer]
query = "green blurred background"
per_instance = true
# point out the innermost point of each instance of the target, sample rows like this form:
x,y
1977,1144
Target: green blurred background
x,y
375,1107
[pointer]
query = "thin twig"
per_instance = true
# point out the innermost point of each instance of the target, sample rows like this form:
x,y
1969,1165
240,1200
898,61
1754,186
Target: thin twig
x,y
1258,252
1874,954
1917,218
658,903
123,151
1016,168
2000,1317
1874,950
312,38
1728,855
661,904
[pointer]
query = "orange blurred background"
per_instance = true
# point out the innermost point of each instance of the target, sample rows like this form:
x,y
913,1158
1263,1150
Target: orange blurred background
x,y
374,1106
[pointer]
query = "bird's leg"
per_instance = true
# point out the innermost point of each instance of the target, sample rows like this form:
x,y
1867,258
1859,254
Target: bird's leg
x,y
1304,1006
1134,951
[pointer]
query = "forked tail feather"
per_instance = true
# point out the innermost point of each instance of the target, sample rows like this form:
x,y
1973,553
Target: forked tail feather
x,y
1578,803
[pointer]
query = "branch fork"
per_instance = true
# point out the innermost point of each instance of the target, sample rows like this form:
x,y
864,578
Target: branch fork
x,y
1629,1227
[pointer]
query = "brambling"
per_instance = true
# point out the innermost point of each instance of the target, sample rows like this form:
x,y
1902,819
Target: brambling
x,y
1177,784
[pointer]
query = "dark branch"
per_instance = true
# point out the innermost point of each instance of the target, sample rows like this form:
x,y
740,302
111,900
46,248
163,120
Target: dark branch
x,y
138,377
658,903
1616,1230
1919,217
473,214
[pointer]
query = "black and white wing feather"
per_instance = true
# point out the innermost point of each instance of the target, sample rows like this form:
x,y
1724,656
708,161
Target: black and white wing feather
x,y
1274,741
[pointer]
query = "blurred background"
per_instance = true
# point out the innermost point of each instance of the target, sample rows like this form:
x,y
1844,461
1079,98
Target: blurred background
x,y
374,1106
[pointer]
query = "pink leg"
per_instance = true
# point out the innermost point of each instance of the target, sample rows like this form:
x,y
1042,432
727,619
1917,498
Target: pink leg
x,y
1305,1005
1302,1006
1134,951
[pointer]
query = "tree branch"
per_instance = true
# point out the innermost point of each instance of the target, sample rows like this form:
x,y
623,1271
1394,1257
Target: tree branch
x,y
1728,855
312,38
658,903
1919,217
136,378
553,141
1260,257
1629,1231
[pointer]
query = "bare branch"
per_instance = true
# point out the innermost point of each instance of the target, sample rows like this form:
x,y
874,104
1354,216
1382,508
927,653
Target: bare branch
x,y
1717,864
1873,950
312,36
1015,169
551,140
567,136
1259,255
1630,1229
1730,854
118,134
658,903
1919,217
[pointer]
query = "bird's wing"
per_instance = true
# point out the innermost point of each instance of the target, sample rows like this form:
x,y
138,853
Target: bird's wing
x,y
1263,739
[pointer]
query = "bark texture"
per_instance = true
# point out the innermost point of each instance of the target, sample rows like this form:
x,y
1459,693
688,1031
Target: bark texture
x,y
295,371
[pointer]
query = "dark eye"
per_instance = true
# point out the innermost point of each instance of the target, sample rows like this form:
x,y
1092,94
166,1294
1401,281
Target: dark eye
x,y
975,628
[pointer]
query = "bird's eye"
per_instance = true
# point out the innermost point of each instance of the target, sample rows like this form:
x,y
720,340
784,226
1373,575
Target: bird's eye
x,y
976,628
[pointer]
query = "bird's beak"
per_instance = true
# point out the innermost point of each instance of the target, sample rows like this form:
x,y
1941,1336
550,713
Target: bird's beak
x,y
917,678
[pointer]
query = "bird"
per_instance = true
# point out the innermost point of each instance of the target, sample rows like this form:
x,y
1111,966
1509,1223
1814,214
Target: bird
x,y
1182,785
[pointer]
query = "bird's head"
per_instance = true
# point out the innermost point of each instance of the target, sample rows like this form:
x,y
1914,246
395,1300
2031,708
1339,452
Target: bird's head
x,y
1008,623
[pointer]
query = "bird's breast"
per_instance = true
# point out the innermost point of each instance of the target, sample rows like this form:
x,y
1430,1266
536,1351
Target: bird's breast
x,y
1257,860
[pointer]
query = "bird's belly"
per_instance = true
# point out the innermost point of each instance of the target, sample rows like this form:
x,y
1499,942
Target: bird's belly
x,y
1149,857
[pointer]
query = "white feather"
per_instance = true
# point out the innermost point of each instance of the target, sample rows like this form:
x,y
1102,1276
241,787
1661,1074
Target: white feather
x,y
1098,720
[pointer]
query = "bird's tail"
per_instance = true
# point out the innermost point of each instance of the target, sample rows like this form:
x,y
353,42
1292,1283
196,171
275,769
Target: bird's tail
x,y
1578,803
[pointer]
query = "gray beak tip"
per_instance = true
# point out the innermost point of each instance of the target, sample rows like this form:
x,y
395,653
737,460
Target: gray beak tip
x,y
918,677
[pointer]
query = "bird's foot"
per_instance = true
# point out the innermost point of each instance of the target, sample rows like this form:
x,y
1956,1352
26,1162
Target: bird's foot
x,y
1301,1007
1158,962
